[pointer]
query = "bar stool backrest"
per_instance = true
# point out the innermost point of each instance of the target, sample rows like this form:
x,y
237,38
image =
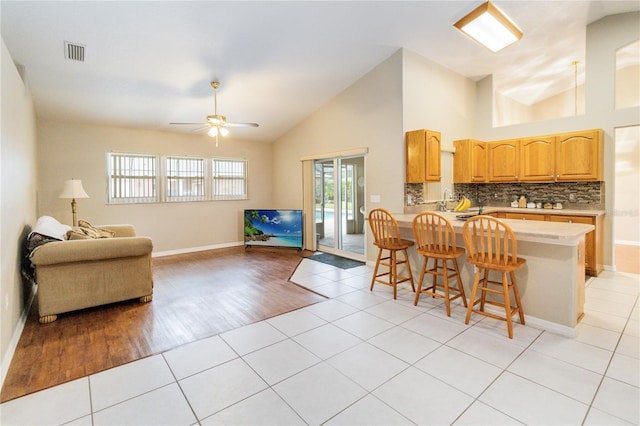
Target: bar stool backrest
x,y
384,228
434,233
489,241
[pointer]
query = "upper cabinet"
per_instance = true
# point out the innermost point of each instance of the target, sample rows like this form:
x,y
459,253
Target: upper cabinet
x,y
504,161
470,161
579,156
537,159
423,156
568,157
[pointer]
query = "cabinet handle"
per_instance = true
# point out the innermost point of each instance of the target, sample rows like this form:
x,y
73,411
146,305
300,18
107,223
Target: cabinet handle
x,y
570,221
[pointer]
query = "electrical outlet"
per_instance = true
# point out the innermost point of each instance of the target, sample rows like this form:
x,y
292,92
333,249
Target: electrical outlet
x,y
572,197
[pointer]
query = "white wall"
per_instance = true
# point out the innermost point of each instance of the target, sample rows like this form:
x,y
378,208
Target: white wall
x,y
17,199
78,151
604,37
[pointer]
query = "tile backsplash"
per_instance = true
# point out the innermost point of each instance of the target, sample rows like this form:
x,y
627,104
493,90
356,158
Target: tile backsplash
x,y
581,195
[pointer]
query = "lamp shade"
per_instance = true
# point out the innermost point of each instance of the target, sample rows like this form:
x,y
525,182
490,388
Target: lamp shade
x,y
73,189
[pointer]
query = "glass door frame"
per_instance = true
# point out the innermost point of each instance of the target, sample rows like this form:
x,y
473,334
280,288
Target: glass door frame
x,y
353,181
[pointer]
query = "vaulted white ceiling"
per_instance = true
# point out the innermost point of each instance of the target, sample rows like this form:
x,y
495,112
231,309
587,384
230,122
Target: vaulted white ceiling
x,y
149,63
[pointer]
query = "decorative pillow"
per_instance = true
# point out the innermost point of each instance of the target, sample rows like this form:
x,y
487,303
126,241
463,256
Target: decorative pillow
x,y
77,234
87,230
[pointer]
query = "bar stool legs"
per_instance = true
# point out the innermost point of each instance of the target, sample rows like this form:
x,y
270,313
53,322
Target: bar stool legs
x,y
502,288
440,269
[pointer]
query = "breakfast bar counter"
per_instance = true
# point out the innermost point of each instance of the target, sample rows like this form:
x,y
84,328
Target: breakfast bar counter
x,y
551,284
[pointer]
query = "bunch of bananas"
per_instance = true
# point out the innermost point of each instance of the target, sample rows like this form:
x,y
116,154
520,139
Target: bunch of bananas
x,y
463,205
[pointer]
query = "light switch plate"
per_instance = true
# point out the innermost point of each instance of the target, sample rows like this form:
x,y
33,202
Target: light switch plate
x,y
374,198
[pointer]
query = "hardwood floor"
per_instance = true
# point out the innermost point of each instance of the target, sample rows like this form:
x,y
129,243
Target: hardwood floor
x,y
196,295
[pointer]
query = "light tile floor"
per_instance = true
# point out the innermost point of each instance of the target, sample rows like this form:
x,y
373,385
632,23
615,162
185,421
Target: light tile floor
x,y
363,358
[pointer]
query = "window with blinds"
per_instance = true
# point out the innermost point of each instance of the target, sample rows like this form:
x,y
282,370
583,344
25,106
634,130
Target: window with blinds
x,y
132,178
185,179
229,179
140,178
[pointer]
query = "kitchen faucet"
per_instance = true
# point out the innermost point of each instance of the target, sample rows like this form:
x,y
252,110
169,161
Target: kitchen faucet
x,y
443,203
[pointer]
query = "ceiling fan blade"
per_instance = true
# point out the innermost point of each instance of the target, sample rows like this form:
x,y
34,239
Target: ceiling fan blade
x,y
228,124
199,129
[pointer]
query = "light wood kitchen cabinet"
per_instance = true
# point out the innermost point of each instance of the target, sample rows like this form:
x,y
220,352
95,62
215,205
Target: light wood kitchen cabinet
x,y
579,156
503,161
524,216
470,161
422,156
593,241
537,159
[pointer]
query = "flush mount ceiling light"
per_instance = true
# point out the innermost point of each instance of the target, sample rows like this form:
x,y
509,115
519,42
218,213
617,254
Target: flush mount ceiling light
x,y
490,27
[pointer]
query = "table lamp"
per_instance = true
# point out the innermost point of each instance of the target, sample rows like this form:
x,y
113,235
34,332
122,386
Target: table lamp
x,y
73,189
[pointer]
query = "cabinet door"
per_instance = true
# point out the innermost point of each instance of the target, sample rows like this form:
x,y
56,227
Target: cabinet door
x,y
524,216
422,156
537,159
579,156
478,161
590,240
503,161
432,161
469,161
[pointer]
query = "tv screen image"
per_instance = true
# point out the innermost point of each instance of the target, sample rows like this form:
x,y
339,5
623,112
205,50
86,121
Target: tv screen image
x,y
277,228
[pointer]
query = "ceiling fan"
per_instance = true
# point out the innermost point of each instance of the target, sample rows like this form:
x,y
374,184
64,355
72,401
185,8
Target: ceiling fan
x,y
216,123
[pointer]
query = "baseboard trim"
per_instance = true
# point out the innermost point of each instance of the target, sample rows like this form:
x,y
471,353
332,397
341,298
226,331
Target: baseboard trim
x,y
15,338
196,249
538,323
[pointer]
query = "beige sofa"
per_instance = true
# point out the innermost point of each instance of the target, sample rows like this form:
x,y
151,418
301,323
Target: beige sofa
x,y
78,274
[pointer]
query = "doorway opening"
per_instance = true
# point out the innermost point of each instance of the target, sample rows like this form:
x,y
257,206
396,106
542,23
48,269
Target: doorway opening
x,y
626,202
339,189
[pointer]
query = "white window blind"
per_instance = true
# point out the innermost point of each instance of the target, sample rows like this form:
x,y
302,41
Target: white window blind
x,y
132,178
185,179
229,179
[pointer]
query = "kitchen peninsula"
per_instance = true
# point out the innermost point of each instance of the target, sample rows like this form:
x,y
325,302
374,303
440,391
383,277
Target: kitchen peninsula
x,y
552,284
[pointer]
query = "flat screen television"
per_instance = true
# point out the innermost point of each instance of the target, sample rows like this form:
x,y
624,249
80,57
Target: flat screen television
x,y
276,228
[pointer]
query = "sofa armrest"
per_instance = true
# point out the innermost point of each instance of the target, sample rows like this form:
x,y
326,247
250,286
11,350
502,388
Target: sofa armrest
x,y
89,250
120,230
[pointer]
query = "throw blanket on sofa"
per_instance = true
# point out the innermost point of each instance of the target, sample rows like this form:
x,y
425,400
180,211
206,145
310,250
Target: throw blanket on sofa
x,y
45,230
34,240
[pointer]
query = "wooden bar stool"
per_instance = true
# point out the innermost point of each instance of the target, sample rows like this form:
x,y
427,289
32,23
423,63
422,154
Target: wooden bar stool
x,y
436,239
491,246
386,236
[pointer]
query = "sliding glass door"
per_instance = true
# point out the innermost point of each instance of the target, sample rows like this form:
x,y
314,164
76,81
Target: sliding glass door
x,y
339,206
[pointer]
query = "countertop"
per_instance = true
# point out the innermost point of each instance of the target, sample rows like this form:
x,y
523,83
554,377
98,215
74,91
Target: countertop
x,y
559,233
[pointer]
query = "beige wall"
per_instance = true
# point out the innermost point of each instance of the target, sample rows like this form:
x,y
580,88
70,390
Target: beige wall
x,y
78,151
405,92
17,199
436,98
367,114
604,37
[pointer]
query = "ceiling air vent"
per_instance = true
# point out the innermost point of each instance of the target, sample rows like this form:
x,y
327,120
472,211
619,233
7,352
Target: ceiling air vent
x,y
74,51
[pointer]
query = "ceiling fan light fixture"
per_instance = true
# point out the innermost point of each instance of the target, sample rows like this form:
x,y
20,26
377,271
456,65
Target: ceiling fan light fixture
x,y
217,130
490,27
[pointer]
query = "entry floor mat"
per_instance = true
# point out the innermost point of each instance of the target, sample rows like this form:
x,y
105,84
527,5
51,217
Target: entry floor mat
x,y
337,261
